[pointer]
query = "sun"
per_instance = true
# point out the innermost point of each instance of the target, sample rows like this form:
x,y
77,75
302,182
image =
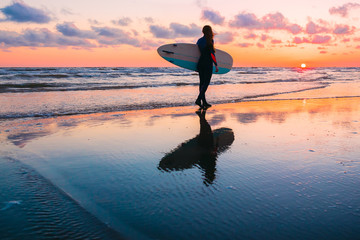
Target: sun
x,y
303,65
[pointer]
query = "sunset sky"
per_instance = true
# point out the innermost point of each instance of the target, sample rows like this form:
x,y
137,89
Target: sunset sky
x,y
128,32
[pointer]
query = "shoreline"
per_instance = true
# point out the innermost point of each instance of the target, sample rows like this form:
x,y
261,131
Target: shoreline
x,y
169,110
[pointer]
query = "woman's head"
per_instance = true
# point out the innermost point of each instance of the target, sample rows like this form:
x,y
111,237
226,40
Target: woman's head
x,y
207,31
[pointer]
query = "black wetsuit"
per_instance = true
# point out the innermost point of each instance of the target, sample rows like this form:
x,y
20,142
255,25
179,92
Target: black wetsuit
x,y
205,66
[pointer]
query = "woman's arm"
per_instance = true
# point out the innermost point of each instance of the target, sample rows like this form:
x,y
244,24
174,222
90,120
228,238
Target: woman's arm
x,y
215,62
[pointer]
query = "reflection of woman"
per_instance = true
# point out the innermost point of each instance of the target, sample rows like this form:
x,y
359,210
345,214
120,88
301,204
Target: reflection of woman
x,y
208,156
201,151
205,64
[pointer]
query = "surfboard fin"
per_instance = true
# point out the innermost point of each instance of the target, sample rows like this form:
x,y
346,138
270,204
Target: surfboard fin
x,y
169,52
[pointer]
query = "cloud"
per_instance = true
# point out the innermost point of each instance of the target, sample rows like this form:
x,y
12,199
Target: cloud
x,y
69,35
93,21
161,32
149,20
343,30
225,38
264,37
40,37
271,21
175,30
69,29
316,39
244,45
313,28
114,36
108,32
20,12
299,40
66,11
10,38
125,21
185,31
201,3
276,41
259,45
148,44
212,16
246,20
344,10
250,36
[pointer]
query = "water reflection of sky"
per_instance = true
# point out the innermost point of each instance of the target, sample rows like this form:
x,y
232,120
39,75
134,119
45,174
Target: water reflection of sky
x,y
292,170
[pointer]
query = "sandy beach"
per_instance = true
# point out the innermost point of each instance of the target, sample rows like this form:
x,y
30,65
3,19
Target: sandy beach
x,y
288,169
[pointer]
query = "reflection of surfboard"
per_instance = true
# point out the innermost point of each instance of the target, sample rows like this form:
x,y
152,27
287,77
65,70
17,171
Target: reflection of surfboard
x,y
187,154
186,55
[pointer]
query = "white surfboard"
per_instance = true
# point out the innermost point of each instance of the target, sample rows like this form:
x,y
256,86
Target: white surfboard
x,y
186,55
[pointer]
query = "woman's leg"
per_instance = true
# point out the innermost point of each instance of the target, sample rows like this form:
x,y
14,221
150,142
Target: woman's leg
x,y
206,81
201,84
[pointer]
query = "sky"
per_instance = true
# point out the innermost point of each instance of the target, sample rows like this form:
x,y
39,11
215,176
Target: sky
x,y
126,33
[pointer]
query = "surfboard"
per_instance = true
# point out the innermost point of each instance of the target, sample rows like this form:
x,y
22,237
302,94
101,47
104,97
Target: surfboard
x,y
186,55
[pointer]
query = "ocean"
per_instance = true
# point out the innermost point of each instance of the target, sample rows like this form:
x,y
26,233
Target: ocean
x,y
45,92
124,153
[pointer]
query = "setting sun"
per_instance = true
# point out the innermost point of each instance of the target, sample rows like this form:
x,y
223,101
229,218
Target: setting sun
x,y
303,65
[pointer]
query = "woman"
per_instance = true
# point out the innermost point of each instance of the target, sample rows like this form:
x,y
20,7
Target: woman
x,y
205,64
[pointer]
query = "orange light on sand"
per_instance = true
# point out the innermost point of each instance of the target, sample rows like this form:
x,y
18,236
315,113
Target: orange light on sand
x,y
303,65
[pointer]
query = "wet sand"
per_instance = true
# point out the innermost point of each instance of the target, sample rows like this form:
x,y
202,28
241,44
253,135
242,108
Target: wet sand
x,y
281,169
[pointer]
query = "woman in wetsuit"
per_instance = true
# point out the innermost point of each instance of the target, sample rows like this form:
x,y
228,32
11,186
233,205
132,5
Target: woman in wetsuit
x,y
205,64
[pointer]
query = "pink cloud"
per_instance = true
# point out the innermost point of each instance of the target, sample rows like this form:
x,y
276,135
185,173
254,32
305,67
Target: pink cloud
x,y
343,10
245,20
343,29
212,16
175,30
299,40
264,37
271,21
250,36
318,39
276,41
259,45
225,38
323,52
313,28
244,45
125,21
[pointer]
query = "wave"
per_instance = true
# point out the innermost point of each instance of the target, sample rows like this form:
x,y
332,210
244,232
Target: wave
x,y
51,87
153,104
48,86
250,72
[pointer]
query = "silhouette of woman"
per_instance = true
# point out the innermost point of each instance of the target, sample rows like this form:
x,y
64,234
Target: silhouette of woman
x,y
205,64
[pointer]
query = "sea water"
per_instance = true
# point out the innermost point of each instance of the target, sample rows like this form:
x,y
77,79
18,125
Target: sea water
x,y
81,156
29,92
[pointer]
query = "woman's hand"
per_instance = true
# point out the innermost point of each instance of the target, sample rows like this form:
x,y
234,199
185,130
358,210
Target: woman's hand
x,y
216,69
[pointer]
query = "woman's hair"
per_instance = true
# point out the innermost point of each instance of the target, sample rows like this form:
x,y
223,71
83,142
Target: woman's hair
x,y
209,35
